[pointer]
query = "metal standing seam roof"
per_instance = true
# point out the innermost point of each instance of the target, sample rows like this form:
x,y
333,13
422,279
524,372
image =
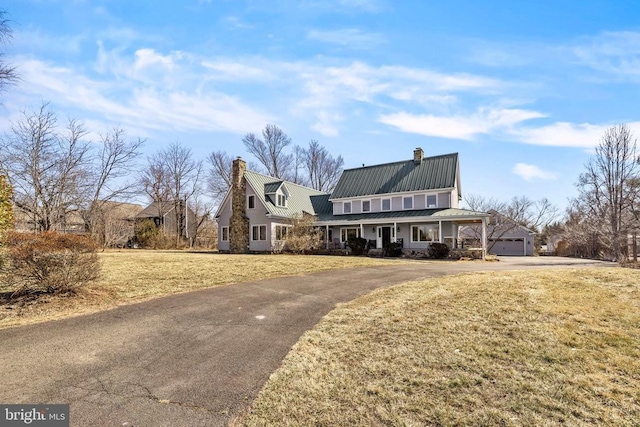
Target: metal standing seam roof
x,y
299,200
432,173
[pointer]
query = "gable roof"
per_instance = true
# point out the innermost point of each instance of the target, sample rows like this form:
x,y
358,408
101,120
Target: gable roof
x,y
298,202
430,174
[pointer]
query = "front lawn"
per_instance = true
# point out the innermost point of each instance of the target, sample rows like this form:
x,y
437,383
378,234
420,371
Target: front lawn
x,y
538,348
136,275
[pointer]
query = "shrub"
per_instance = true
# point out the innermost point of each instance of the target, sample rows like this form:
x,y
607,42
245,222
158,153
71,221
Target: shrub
x,y
357,245
438,250
50,262
301,236
393,249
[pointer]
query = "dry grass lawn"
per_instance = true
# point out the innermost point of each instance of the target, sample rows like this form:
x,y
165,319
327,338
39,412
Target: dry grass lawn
x,y
535,348
137,275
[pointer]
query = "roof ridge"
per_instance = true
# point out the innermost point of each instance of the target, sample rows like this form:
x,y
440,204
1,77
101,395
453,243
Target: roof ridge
x,y
402,161
280,180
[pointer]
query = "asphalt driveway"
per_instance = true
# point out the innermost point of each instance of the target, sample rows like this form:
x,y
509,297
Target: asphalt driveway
x,y
193,359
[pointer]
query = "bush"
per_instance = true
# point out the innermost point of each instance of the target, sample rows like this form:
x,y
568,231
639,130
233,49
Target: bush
x,y
393,249
357,245
50,262
438,250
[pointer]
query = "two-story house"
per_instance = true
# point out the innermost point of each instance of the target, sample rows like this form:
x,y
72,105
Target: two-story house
x,y
414,202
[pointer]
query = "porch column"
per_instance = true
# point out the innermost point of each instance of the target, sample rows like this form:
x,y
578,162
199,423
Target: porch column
x,y
484,239
395,232
361,231
326,237
440,231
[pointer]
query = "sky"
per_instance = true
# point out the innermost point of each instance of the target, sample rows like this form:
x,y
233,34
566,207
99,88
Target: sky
x,y
522,90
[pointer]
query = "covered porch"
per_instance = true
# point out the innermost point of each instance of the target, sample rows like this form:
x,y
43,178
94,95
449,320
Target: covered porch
x,y
415,231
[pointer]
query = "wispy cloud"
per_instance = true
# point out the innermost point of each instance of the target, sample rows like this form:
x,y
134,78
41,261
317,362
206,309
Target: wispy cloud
x,y
616,53
466,127
347,37
532,172
561,134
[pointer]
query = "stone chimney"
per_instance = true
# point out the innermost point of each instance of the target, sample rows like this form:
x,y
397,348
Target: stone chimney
x,y
418,154
239,223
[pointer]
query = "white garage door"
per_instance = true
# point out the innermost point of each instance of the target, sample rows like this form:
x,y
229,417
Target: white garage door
x,y
508,247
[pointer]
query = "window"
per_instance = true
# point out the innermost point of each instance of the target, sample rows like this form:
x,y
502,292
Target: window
x,y
281,200
407,202
349,233
366,206
346,207
386,204
259,232
225,234
425,233
282,231
432,201
251,202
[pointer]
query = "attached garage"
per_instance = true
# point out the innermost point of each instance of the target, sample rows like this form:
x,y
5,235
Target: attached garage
x,y
508,246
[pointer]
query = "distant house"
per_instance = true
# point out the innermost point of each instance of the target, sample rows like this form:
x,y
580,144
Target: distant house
x,y
164,217
114,220
504,237
412,202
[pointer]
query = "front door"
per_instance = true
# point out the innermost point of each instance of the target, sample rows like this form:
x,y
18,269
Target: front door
x,y
384,236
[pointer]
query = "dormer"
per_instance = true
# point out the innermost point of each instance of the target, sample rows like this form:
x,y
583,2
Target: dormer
x,y
277,193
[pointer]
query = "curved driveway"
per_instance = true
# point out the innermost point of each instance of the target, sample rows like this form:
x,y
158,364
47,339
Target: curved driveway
x,y
193,359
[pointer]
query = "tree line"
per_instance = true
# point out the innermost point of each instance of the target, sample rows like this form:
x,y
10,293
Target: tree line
x,y
54,171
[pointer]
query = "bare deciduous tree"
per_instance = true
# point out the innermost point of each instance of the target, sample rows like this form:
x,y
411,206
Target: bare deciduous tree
x,y
322,169
47,168
506,217
170,179
270,151
112,165
219,178
8,73
606,191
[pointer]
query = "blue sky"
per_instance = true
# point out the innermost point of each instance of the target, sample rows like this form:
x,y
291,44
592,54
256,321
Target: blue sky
x,y
522,90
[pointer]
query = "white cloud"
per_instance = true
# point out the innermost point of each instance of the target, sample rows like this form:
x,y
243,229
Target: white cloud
x,y
347,37
467,127
531,172
561,134
138,105
616,53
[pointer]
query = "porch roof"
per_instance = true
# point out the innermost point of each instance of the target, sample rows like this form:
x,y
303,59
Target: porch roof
x,y
429,215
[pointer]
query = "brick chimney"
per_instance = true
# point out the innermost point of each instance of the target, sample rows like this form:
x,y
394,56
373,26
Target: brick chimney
x,y
418,154
239,223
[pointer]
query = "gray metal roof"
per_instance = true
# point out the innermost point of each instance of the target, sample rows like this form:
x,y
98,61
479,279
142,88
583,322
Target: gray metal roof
x,y
432,173
299,200
272,187
433,214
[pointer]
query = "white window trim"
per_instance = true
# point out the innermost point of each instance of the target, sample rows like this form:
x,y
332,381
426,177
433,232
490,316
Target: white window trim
x,y
426,201
412,203
222,234
265,233
350,207
362,206
286,226
349,228
436,226
284,197
382,209
254,201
